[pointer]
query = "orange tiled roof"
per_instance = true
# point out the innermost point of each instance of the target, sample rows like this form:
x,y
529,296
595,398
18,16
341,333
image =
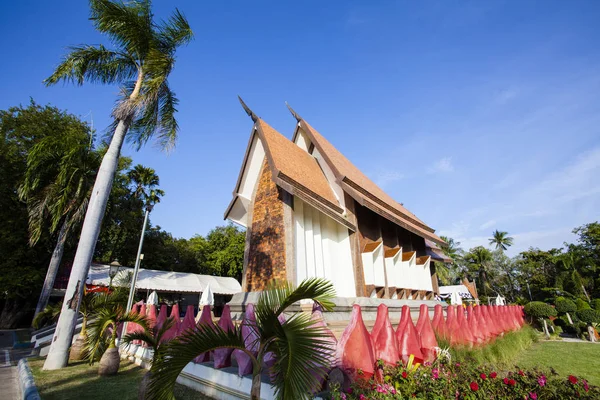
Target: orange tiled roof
x,y
295,163
350,174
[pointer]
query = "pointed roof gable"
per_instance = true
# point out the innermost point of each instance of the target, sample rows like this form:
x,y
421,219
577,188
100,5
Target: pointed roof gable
x,y
363,189
293,169
294,165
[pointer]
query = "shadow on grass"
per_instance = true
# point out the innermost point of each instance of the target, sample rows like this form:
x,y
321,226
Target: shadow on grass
x,y
81,381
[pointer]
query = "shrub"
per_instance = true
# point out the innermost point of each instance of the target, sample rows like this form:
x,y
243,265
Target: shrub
x,y
564,306
589,316
582,305
596,304
537,309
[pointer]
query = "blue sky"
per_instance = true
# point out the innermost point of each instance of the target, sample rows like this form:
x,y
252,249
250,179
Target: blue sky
x,y
476,115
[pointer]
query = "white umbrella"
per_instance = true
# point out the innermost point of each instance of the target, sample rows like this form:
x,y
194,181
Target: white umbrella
x,y
455,298
499,300
207,299
153,298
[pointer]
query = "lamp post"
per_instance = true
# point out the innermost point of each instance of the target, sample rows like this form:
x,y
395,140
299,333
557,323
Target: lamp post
x,y
113,270
138,259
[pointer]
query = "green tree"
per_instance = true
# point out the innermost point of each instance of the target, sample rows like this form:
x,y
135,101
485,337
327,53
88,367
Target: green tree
x,y
145,181
225,251
479,261
140,64
301,349
449,274
61,169
501,240
22,267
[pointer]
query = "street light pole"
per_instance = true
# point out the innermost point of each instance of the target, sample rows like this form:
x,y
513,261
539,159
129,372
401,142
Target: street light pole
x,y
137,262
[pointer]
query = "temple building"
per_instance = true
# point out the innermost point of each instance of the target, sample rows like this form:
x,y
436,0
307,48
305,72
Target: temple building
x,y
309,212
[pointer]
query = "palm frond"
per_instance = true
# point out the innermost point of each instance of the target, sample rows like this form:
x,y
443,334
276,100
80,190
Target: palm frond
x,y
319,290
179,352
128,25
303,356
174,32
94,64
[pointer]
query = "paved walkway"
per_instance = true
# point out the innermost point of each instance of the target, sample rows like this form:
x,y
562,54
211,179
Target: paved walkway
x,y
9,358
8,381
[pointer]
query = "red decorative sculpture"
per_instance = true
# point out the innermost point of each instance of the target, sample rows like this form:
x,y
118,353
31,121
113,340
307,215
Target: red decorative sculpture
x,y
162,316
385,344
439,323
250,336
426,334
355,351
173,331
189,322
222,357
206,320
409,342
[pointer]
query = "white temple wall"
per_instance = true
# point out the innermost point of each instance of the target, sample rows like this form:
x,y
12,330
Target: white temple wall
x,y
322,249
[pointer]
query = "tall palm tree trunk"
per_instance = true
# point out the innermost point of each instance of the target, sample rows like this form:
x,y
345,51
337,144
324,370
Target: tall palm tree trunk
x,y
53,267
59,350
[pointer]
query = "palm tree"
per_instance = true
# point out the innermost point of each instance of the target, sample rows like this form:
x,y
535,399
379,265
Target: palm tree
x,y
501,240
301,348
144,179
103,330
153,337
448,273
57,184
479,259
140,65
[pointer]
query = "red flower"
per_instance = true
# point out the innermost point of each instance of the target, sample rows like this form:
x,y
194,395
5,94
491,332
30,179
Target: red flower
x,y
483,377
493,375
404,374
512,382
521,373
572,379
474,386
505,380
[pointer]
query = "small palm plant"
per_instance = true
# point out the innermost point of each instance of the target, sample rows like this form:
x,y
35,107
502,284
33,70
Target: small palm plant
x,y
102,336
153,337
302,349
86,308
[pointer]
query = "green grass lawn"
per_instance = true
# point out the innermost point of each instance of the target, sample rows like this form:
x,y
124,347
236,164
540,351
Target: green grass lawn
x,y
579,359
81,381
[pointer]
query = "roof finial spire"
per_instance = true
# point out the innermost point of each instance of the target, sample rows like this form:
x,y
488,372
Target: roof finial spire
x,y
294,113
248,110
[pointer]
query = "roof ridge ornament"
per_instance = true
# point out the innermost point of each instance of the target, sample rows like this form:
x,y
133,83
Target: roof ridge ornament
x,y
294,113
248,110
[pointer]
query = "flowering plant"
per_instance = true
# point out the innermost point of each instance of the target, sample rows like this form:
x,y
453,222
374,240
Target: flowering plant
x,y
444,380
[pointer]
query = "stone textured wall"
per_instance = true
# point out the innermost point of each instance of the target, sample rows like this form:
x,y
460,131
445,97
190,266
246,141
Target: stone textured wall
x,y
266,257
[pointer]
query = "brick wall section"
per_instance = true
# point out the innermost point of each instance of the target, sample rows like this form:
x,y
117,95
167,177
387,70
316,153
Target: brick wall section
x,y
266,258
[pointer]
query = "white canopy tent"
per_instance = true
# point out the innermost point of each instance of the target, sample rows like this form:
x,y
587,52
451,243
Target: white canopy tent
x,y
167,281
455,290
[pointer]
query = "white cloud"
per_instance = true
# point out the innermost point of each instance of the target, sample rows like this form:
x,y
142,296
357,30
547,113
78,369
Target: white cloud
x,y
443,165
487,224
386,177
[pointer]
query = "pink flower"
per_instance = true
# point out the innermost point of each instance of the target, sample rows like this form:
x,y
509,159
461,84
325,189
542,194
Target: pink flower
x,y
343,396
350,391
532,396
542,380
521,373
381,389
585,385
435,373
505,380
362,397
